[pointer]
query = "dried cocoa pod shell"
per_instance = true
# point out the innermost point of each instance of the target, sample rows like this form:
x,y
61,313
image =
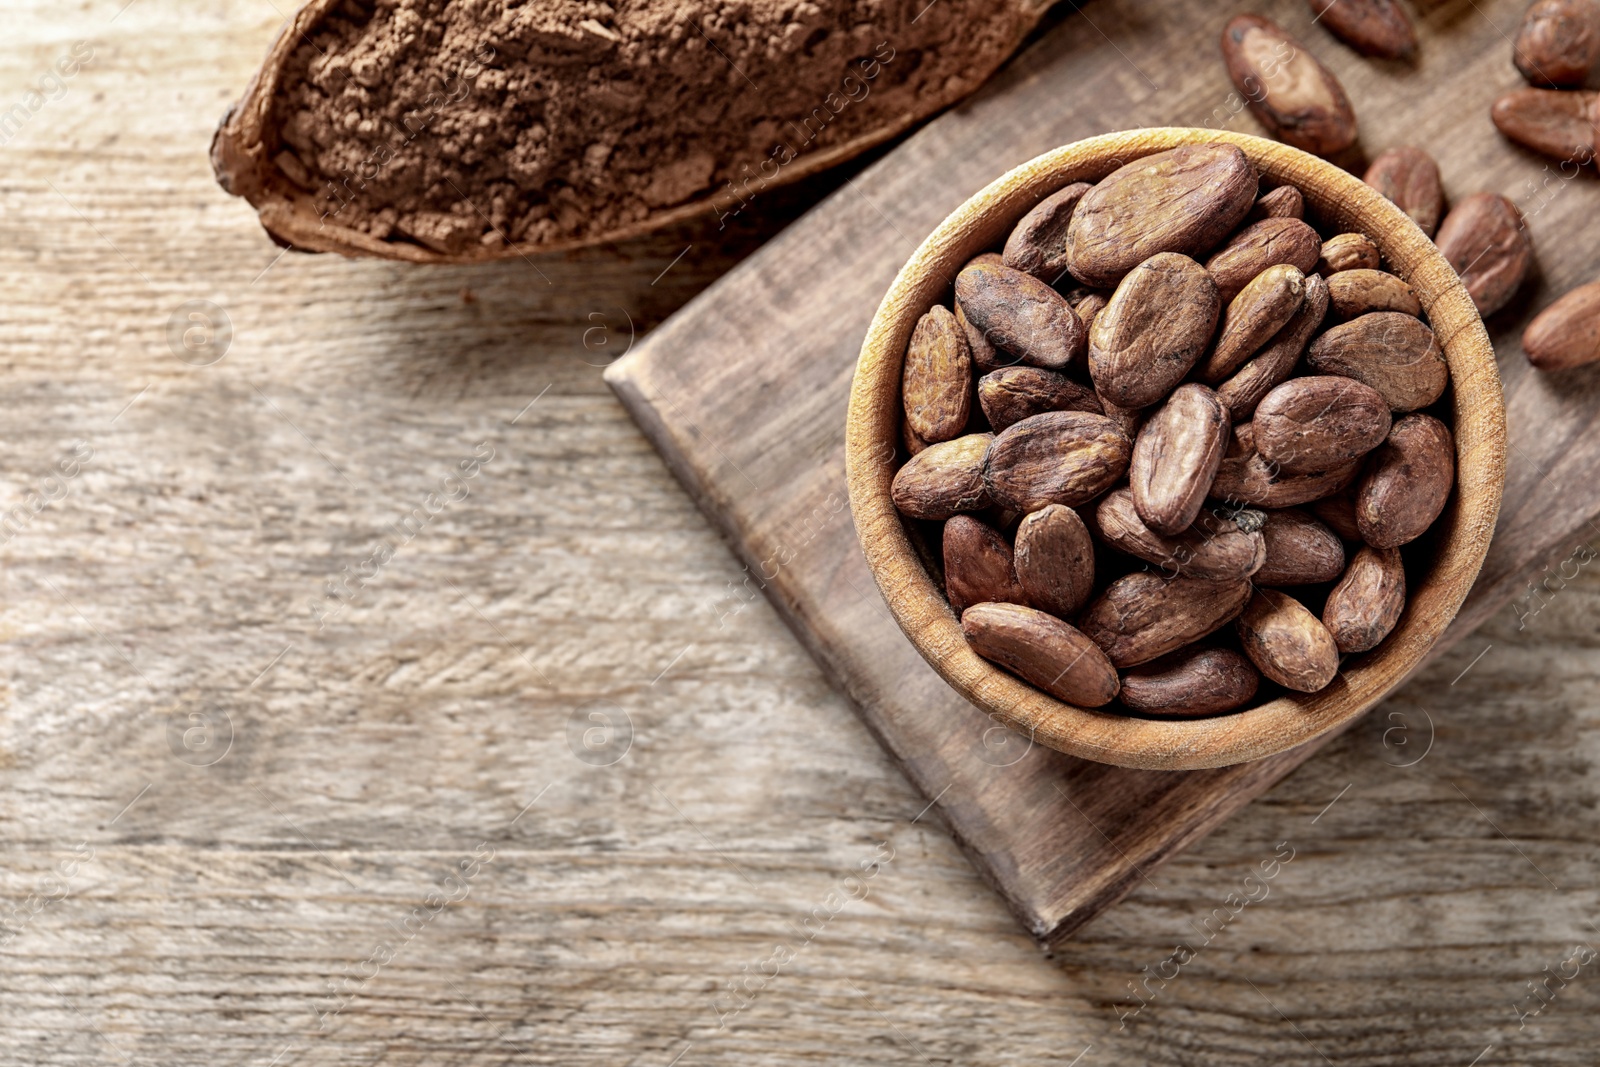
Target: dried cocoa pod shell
x,y
985,357
1555,122
1020,314
1339,512
1277,358
1043,651
1487,244
1353,293
1293,95
1055,560
1200,681
1153,329
1142,615
1567,333
1184,200
1012,394
1254,317
1038,244
1367,602
1059,457
1378,28
943,479
1284,202
1558,42
977,565
1410,178
1394,353
1213,548
1262,245
1245,477
936,380
1287,643
1089,308
1319,421
1175,458
1407,483
1300,550
1347,251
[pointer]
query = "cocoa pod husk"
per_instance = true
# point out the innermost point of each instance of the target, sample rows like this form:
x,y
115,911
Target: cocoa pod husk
x,y
1366,604
1287,643
1407,482
1042,650
1054,557
1193,682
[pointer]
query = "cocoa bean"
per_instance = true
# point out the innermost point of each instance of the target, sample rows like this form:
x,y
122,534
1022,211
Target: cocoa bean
x,y
1367,602
943,479
1022,315
1487,244
1352,293
1287,643
1347,251
1245,477
1142,615
1284,202
1407,482
1059,457
1038,244
1012,394
1175,458
1277,358
1310,424
1213,548
1409,177
1254,317
1300,550
1152,331
1043,651
1378,28
936,379
977,565
1555,122
1394,353
1204,681
1262,245
1293,95
1055,560
1089,308
1558,42
1339,512
985,357
1567,333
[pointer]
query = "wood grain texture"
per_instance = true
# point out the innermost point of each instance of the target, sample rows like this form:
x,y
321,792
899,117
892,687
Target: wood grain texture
x,y
224,906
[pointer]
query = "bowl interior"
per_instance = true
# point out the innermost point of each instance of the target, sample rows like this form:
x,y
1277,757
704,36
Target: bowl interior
x,y
1453,552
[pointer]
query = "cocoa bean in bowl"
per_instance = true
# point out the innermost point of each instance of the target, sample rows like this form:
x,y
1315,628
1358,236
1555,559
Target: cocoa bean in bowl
x,y
1233,476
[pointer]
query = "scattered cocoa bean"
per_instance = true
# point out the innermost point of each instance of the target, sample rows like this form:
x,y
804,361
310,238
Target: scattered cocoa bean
x,y
1042,650
1347,251
1287,643
1409,177
1555,122
1038,244
1367,602
1300,550
1152,331
1205,681
1565,334
1407,483
1055,560
943,479
1276,360
936,380
1558,43
1394,353
977,565
1377,28
1142,615
1059,457
1293,95
1310,424
1487,244
1175,458
1020,314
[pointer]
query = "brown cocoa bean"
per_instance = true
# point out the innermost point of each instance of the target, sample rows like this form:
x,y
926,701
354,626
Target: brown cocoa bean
x,y
1152,331
1567,333
1555,122
1410,178
1394,353
1038,244
1245,477
1055,560
1310,424
1487,244
1367,602
1287,643
1142,615
1294,96
1183,200
1339,512
1043,651
1254,317
1012,394
943,479
1378,28
1059,457
936,380
1213,548
1558,42
1352,293
1204,681
1262,245
1277,358
985,357
1284,202
1089,308
1175,458
1347,251
1300,550
977,565
1407,482
1022,315
909,438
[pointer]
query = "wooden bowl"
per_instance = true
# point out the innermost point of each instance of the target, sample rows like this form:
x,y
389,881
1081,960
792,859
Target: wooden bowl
x,y
1459,540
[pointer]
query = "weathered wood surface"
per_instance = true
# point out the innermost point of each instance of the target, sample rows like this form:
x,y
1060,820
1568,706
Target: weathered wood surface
x,y
226,904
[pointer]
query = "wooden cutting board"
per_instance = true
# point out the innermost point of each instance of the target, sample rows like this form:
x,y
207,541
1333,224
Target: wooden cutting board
x,y
744,393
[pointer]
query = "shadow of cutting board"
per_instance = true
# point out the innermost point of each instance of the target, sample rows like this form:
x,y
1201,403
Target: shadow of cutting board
x,y
744,393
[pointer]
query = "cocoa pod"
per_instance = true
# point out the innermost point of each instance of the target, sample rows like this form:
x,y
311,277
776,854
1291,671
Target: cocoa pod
x,y
1183,200
1367,602
936,380
1407,482
1487,244
1352,293
1293,95
1394,353
1245,477
1020,314
1254,317
1277,358
1347,251
1558,42
1175,458
1287,643
1214,548
1262,245
1410,178
977,565
1054,558
1043,651
1555,122
943,479
1339,512
1284,202
1152,331
1204,681
1567,333
1142,615
1300,550
1038,244
1378,28
1059,457
1323,420
1012,394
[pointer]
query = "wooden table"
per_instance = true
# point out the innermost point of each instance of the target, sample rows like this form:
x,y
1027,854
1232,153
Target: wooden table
x,y
529,791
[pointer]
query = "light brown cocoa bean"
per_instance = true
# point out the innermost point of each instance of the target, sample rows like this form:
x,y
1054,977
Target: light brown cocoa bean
x,y
1152,331
1300,550
1055,560
1352,293
1129,420
1319,421
1183,200
936,380
1245,477
1213,548
1487,244
1407,483
1567,333
1558,42
1277,358
1038,244
1378,28
1294,96
977,565
1261,245
1043,651
1089,307
1202,681
985,357
1284,202
1556,122
1254,317
1339,512
1347,251
943,479
1012,394
1394,353
1410,178
1287,643
909,438
1142,615
1175,458
1021,315
1059,457
1367,602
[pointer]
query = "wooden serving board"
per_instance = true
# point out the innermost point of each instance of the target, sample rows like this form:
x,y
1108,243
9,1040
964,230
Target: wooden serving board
x,y
744,393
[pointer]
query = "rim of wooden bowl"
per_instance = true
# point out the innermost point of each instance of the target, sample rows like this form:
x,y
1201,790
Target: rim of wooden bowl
x,y
1461,535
